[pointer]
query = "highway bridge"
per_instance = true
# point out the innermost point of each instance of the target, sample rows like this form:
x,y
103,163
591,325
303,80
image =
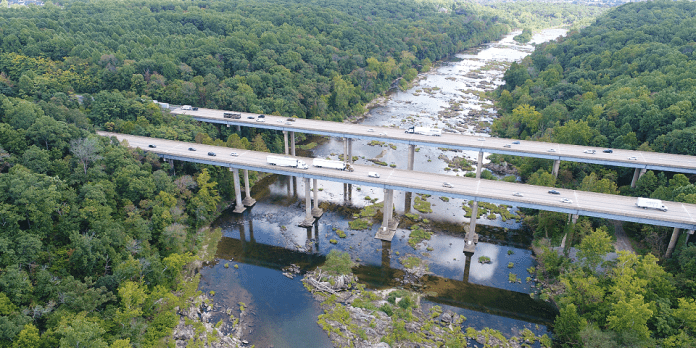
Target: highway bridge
x,y
679,215
640,160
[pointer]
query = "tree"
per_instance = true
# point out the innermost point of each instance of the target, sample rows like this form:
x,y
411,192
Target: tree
x,y
631,317
47,131
592,184
81,332
568,325
27,338
132,298
258,144
86,150
593,248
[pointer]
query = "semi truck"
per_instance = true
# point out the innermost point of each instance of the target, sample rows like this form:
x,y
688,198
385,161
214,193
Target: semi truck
x,y
424,131
324,163
646,203
286,162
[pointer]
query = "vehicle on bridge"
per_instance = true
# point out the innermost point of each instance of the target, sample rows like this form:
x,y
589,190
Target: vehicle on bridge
x,y
324,163
646,203
286,162
424,131
233,115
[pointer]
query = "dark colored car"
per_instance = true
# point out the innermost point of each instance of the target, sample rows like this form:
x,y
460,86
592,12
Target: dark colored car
x,y
194,108
152,146
554,192
262,116
290,119
250,117
211,153
516,142
191,149
608,151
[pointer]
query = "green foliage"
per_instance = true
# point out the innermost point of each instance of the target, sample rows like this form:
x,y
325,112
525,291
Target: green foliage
x,y
418,235
422,205
524,37
338,263
484,259
568,325
594,246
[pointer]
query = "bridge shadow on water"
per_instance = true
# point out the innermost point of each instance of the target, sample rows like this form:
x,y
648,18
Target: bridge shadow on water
x,y
457,293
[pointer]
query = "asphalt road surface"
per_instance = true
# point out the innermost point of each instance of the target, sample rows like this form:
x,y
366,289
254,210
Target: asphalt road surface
x,y
582,203
586,154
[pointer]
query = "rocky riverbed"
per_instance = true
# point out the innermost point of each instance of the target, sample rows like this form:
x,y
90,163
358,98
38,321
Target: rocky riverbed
x,y
357,317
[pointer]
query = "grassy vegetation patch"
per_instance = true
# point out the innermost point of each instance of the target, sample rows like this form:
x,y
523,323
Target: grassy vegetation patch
x,y
418,235
308,146
359,224
422,205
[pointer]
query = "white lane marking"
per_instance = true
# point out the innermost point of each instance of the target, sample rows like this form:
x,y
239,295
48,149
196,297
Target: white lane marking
x,y
687,212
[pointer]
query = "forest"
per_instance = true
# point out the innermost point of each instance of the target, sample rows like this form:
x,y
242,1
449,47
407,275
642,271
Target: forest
x,y
95,236
624,82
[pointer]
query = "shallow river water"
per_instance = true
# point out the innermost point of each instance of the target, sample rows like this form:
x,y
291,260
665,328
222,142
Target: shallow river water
x,y
257,244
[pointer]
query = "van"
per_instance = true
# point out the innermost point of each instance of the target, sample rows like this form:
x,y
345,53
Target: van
x,y
186,107
373,174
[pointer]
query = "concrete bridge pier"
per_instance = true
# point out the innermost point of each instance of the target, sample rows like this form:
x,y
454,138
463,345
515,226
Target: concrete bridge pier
x,y
239,128
388,228
316,212
467,266
285,141
248,201
411,156
673,241
349,154
479,166
556,167
407,202
292,143
238,207
309,219
637,174
171,165
472,237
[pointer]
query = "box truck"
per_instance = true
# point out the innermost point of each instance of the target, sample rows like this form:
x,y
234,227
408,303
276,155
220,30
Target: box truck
x,y
646,203
425,131
286,162
324,163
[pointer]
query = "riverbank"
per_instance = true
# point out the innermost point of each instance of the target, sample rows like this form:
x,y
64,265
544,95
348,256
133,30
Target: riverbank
x,y
357,317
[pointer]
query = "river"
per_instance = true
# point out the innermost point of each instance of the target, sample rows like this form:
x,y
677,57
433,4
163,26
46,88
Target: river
x,y
259,243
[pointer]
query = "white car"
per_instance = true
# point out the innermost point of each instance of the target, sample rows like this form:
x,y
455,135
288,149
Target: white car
x,y
382,133
552,150
591,152
370,130
260,120
373,174
518,194
186,107
234,154
447,185
566,200
632,159
507,145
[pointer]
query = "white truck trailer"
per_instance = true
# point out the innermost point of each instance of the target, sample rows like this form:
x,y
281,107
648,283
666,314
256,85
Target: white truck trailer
x,y
425,131
286,162
324,163
646,203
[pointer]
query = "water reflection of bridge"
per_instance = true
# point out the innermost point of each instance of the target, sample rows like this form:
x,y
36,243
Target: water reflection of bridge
x,y
459,293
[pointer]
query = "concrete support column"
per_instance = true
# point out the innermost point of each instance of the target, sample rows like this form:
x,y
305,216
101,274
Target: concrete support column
x,y
574,218
350,150
689,233
637,174
672,242
471,237
238,207
285,138
239,128
411,156
345,150
309,219
171,165
479,165
556,167
248,201
388,207
316,212
292,143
